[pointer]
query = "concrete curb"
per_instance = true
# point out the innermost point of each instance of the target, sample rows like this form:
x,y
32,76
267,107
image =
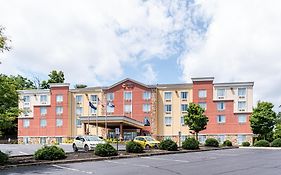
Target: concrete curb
x,y
112,158
267,148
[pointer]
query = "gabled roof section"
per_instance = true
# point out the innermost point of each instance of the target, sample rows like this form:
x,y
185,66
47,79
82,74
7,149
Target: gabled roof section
x,y
128,79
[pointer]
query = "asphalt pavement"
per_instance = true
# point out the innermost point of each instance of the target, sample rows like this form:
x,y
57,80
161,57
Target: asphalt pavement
x,y
222,162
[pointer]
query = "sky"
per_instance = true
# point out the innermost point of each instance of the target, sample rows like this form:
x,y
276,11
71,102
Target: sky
x,y
163,41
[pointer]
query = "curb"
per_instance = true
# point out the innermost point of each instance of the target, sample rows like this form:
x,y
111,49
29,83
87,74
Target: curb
x,y
267,148
112,158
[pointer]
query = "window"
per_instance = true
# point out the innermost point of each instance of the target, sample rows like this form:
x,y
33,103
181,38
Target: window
x,y
59,98
202,93
184,95
26,111
43,99
168,95
109,109
43,140
182,120
26,123
79,99
221,138
26,99
43,111
78,123
58,139
184,107
167,138
168,108
202,138
93,111
128,108
241,139
183,138
220,93
241,105
94,98
43,122
110,97
146,107
127,95
221,119
146,95
168,121
79,110
203,105
220,106
241,92
59,122
242,118
146,121
59,110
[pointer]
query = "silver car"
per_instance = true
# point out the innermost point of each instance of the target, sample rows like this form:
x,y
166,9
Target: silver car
x,y
86,143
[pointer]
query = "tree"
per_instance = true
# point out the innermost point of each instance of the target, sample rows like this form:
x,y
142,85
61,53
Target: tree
x,y
77,86
195,118
54,77
263,119
3,40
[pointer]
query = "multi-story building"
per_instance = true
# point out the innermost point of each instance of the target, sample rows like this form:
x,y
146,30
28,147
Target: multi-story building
x,y
135,109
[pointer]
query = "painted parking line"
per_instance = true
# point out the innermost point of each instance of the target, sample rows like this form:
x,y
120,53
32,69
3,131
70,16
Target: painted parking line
x,y
24,153
125,163
175,160
72,169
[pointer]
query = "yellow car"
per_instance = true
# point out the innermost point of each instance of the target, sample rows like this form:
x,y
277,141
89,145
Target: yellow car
x,y
147,142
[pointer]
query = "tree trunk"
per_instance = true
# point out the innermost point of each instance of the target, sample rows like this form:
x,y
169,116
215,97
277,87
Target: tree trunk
x,y
196,136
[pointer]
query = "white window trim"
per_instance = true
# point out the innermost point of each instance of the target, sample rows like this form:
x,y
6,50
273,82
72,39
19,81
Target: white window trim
x,y
168,100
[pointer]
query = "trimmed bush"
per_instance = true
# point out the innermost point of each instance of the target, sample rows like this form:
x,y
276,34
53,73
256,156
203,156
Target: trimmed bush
x,y
276,143
50,153
227,143
3,158
168,145
105,150
133,147
212,142
246,144
262,143
190,143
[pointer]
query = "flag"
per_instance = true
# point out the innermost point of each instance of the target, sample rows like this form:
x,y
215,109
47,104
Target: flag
x,y
110,105
92,106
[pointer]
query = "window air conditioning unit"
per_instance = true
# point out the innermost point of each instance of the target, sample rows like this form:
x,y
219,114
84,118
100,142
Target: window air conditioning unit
x,y
43,102
241,96
26,103
241,109
220,97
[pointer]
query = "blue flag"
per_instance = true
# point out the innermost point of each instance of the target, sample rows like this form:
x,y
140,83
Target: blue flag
x,y
92,106
110,105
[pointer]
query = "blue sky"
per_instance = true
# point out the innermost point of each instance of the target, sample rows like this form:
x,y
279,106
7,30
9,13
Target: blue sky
x,y
153,41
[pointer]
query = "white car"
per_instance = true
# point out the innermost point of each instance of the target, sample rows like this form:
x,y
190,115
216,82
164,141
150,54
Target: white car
x,y
87,142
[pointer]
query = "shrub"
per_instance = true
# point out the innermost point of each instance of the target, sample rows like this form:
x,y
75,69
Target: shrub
x,y
3,158
190,143
246,144
168,145
212,142
133,147
227,143
262,143
50,153
105,150
276,143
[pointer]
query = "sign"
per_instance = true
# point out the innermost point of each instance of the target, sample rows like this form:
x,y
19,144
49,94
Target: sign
x,y
117,131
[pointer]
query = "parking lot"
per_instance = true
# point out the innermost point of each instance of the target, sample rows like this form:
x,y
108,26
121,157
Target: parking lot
x,y
222,162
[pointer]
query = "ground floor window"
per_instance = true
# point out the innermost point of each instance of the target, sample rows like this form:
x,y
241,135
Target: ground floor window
x,y
221,138
58,139
43,140
241,139
129,135
202,139
183,138
26,140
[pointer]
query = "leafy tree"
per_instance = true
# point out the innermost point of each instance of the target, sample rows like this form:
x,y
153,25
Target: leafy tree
x,y
77,86
263,119
3,41
195,119
54,77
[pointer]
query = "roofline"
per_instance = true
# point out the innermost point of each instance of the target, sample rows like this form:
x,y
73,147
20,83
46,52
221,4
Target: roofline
x,y
59,84
203,79
127,79
234,84
34,91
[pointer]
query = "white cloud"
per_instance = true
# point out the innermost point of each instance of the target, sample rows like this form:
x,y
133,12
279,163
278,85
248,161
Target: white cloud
x,y
242,44
149,75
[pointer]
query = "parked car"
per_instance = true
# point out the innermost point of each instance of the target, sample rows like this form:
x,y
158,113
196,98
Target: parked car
x,y
86,142
147,142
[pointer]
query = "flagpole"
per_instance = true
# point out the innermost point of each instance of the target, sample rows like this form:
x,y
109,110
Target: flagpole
x,y
88,129
105,121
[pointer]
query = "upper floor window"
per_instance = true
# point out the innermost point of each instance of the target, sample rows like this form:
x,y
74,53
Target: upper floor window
x,y
127,95
79,110
59,122
110,96
203,105
26,111
43,122
93,111
168,95
128,108
184,107
43,98
146,95
241,92
202,93
26,99
242,118
109,108
146,121
94,98
184,95
221,93
241,105
26,123
43,111
59,110
220,106
168,108
182,120
79,99
146,107
168,121
221,119
59,98
78,123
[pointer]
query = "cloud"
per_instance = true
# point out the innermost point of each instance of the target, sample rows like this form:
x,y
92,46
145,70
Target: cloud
x,y
242,43
149,75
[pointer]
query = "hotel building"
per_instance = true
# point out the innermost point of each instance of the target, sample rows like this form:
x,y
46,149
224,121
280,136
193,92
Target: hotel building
x,y
60,113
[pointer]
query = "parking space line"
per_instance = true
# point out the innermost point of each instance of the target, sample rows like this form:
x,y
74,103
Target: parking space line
x,y
23,153
72,169
155,158
124,163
